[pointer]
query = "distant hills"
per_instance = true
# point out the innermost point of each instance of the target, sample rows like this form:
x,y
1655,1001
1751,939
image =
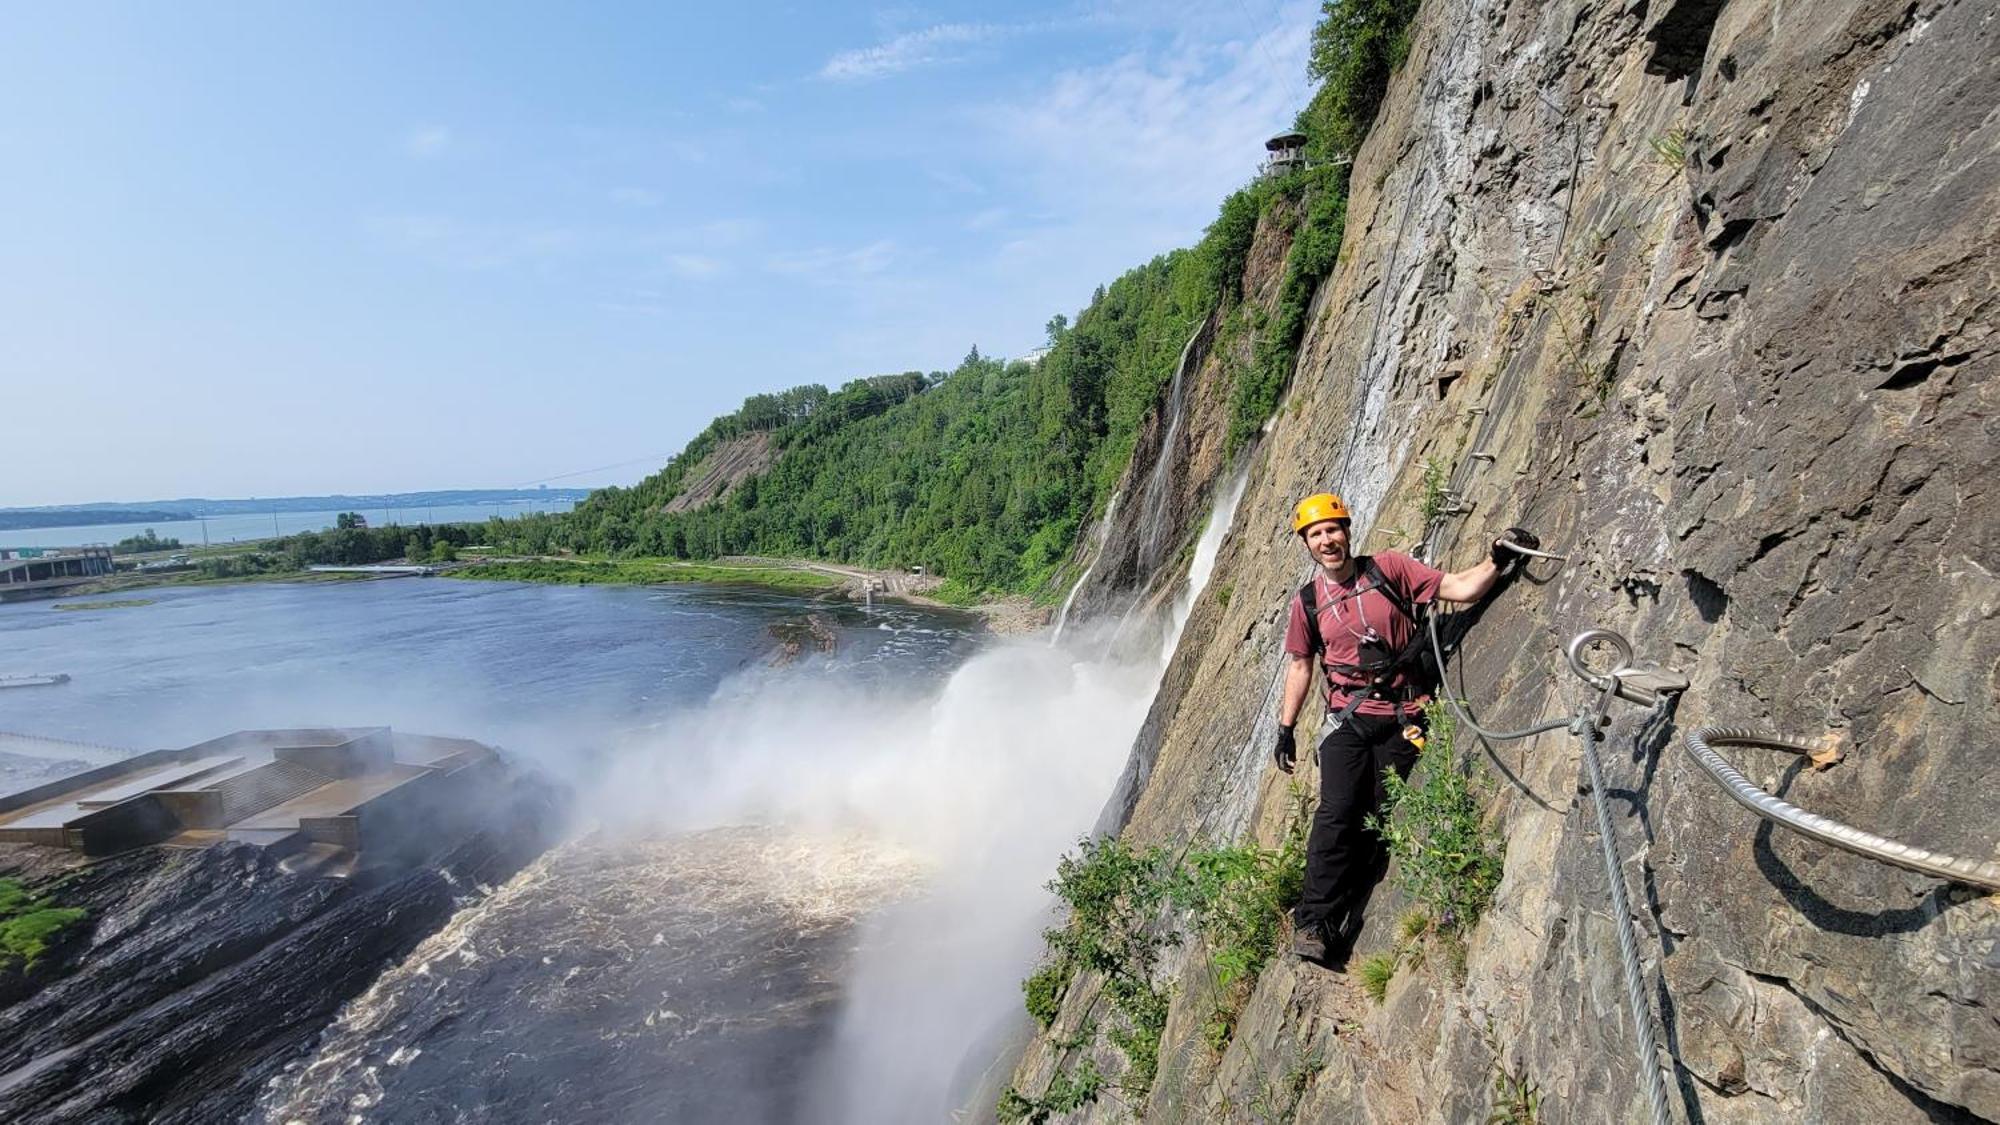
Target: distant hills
x,y
169,511
21,519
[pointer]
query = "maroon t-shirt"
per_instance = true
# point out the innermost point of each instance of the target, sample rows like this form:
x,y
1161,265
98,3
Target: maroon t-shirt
x,y
1345,617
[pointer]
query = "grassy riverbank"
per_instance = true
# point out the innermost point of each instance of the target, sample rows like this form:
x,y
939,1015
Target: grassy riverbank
x,y
646,572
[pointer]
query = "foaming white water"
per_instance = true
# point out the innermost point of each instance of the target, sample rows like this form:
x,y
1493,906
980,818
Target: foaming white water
x,y
981,785
984,784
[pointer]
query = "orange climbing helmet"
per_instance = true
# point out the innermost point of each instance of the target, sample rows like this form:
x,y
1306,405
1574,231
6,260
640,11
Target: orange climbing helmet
x,y
1317,508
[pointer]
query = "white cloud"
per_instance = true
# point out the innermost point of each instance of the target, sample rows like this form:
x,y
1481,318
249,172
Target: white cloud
x,y
427,141
956,181
829,265
1144,146
728,232
906,51
447,242
988,219
694,267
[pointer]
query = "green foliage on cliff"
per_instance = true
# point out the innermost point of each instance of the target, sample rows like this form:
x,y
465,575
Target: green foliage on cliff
x,y
1447,861
984,474
1356,47
1115,895
30,926
987,473
1321,194
1119,900
1238,897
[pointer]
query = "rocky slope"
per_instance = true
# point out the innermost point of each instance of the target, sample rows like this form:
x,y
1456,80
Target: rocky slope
x,y
1708,293
206,970
732,462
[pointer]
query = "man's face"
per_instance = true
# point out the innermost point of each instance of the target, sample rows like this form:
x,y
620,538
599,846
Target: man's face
x,y
1326,541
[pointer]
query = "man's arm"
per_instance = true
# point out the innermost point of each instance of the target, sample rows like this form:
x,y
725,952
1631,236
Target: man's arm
x,y
1476,581
1470,584
1298,680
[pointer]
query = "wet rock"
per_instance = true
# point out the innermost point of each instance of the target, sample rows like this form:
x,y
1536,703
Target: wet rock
x,y
206,969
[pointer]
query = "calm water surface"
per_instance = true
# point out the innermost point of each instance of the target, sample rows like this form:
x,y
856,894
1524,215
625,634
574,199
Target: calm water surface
x,y
538,668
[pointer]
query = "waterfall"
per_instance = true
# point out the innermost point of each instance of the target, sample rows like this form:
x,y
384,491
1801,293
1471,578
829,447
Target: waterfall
x,y
1096,553
1205,549
1158,524
990,792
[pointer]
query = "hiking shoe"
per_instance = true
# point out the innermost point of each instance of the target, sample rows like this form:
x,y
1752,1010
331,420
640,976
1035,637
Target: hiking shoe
x,y
1309,943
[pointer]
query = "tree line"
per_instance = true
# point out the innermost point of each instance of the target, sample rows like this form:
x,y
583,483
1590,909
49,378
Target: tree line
x,y
987,473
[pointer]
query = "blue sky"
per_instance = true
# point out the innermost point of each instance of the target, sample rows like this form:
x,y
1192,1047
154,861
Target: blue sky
x,y
275,249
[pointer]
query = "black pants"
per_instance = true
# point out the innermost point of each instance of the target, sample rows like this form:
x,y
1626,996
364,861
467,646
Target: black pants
x,y
1344,861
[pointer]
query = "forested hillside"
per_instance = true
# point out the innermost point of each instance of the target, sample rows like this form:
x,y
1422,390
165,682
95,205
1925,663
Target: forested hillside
x,y
987,473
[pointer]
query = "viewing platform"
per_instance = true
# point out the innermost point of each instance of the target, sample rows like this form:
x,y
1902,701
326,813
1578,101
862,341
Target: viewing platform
x,y
332,790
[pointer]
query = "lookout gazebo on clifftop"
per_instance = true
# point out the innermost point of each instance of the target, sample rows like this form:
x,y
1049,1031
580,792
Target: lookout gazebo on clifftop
x,y
1285,152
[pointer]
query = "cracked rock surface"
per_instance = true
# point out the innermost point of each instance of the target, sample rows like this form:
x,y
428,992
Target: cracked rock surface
x,y
1721,285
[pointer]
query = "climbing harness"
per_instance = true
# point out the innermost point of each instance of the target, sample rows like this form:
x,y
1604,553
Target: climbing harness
x,y
1377,666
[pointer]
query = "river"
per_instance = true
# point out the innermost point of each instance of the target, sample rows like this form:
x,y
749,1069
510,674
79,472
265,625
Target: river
x,y
795,893
245,527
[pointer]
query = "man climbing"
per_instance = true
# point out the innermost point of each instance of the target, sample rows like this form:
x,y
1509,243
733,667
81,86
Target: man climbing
x,y
1358,616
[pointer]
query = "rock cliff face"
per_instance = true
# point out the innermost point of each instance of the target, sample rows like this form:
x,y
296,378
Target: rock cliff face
x,y
1707,292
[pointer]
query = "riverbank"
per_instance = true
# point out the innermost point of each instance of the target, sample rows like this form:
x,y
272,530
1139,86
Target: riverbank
x,y
643,572
1011,615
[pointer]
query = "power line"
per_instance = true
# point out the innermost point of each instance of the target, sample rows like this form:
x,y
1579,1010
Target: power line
x,y
1257,41
651,458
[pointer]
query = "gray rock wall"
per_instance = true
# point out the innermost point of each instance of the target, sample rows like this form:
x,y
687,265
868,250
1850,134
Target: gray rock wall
x,y
1714,286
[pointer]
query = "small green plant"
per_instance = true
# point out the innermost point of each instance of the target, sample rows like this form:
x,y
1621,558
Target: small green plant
x,y
1446,860
1044,991
1517,1100
1278,1101
1671,149
1434,503
1413,926
1223,593
1375,973
1067,1093
30,927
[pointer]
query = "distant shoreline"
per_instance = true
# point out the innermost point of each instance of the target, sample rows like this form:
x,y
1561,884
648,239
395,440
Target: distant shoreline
x,y
56,516
642,572
1012,615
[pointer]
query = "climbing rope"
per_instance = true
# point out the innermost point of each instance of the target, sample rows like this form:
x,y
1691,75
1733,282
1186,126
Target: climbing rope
x,y
1702,743
1589,731
1587,724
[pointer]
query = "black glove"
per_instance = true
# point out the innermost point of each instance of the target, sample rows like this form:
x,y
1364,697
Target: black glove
x,y
1521,535
1286,751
